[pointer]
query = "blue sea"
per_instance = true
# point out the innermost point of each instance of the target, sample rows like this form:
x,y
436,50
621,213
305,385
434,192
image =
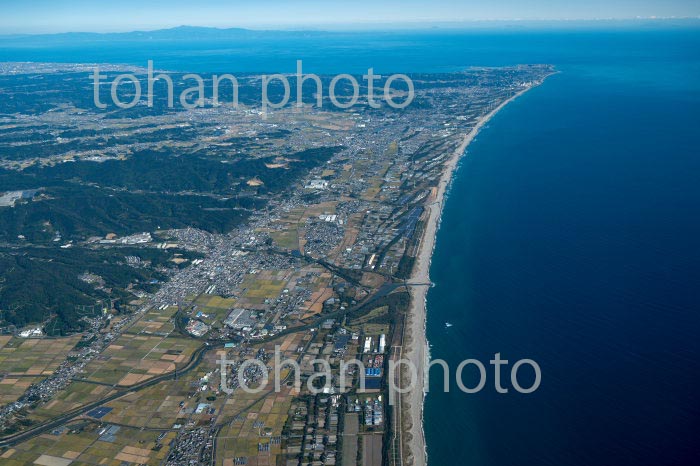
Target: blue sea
x,y
570,235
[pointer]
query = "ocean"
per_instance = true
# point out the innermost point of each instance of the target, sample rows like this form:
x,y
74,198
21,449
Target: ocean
x,y
570,237
570,234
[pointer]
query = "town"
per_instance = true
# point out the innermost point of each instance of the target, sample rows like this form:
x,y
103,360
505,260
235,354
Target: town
x,y
315,268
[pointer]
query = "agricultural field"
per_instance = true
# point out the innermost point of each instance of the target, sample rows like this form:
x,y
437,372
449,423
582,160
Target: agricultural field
x,y
91,445
75,395
213,309
26,361
12,388
267,284
321,292
256,433
159,406
313,211
155,321
131,359
34,356
252,427
287,238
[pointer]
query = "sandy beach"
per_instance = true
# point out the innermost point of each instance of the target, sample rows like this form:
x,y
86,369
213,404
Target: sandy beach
x,y
415,342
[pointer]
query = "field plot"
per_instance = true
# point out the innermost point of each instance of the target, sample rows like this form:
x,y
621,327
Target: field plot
x,y
264,285
11,388
314,210
372,450
213,309
131,359
35,357
104,445
253,422
256,434
170,402
288,238
352,230
155,321
27,361
352,427
285,234
321,292
75,395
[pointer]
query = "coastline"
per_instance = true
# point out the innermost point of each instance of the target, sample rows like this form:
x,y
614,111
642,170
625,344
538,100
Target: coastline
x,y
415,340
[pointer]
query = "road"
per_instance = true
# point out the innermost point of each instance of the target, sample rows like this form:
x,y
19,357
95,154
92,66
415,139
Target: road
x,y
195,360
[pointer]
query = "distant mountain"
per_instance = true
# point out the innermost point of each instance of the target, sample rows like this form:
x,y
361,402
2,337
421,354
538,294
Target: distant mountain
x,y
189,33
180,33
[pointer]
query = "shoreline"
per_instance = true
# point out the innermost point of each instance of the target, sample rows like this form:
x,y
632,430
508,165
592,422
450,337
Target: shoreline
x,y
415,340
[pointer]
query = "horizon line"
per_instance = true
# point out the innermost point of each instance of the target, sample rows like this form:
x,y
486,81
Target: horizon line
x,y
366,25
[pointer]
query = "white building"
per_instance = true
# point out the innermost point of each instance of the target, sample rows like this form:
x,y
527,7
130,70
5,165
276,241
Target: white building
x,y
32,332
317,184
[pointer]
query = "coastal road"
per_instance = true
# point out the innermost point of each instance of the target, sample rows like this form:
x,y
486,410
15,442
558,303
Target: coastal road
x,y
397,441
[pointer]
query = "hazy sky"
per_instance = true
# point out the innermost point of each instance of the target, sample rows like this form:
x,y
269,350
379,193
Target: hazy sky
x,y
35,16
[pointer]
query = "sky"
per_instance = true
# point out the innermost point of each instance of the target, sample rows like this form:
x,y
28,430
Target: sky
x,y
48,16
